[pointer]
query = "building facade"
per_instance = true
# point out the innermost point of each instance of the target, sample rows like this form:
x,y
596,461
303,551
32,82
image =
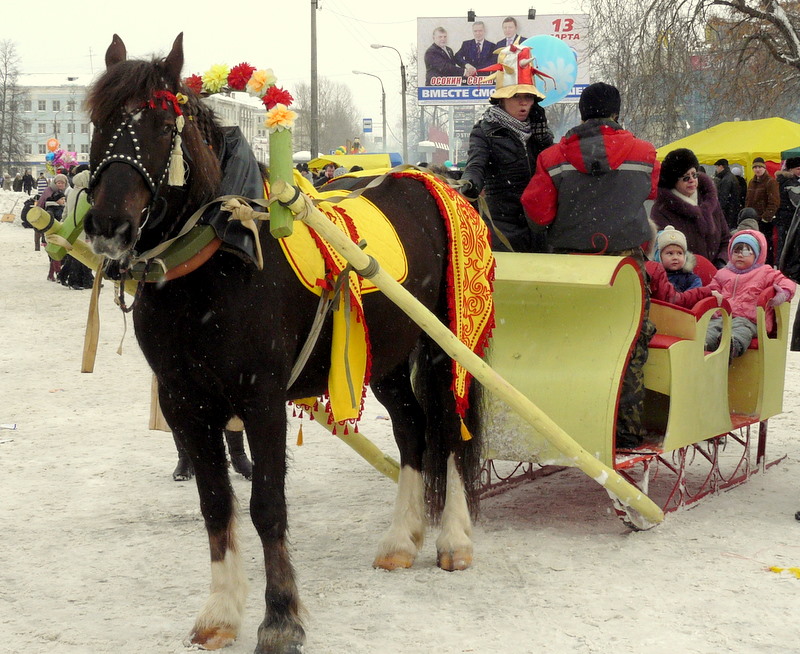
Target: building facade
x,y
248,113
53,107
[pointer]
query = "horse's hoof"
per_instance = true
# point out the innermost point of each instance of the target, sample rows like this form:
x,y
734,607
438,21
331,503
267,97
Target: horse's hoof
x,y
454,560
212,638
184,471
393,561
797,516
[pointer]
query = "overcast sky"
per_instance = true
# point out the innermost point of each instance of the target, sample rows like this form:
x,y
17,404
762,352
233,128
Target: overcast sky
x,y
72,38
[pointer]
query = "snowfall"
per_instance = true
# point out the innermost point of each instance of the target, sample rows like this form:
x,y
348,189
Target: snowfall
x,y
101,551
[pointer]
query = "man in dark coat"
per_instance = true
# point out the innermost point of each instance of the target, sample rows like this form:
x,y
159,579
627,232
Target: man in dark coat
x,y
764,196
478,51
590,189
441,62
27,181
727,192
788,178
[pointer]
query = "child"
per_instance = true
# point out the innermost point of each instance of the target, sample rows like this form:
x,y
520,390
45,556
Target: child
x,y
741,282
679,263
748,219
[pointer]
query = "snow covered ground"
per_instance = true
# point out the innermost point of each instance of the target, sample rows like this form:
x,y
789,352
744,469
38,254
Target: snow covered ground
x,y
102,552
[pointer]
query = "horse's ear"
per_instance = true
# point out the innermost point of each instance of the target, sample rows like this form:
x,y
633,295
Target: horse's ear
x,y
173,64
116,52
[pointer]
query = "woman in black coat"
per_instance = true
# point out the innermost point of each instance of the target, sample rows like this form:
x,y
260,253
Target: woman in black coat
x,y
687,200
503,147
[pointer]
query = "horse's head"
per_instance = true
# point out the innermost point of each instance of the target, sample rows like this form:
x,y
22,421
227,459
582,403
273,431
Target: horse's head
x,y
137,108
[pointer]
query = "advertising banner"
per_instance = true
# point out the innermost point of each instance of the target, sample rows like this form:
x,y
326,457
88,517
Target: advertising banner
x,y
459,61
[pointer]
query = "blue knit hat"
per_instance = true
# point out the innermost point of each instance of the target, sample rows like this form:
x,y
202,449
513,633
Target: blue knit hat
x,y
747,239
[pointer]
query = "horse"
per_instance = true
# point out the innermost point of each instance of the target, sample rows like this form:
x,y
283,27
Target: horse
x,y
222,341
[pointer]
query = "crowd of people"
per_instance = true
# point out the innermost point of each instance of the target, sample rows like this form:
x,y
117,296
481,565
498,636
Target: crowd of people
x,y
587,194
55,196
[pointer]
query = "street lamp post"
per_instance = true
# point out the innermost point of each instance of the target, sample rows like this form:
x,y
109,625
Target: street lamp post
x,y
403,92
383,103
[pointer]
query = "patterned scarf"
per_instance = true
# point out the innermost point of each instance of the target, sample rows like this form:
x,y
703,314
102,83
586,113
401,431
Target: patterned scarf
x,y
521,129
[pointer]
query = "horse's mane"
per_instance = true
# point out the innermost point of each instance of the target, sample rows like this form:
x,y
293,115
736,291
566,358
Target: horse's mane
x,y
128,84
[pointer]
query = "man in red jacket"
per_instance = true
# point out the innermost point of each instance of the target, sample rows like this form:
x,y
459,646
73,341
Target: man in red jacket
x,y
589,189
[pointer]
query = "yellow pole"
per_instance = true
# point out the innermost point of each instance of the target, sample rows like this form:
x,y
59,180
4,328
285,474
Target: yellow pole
x,y
645,512
364,447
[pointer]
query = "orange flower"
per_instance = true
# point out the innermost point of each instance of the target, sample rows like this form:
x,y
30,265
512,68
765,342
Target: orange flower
x,y
280,117
260,81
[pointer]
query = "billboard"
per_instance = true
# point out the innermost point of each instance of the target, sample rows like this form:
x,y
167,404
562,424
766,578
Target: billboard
x,y
451,52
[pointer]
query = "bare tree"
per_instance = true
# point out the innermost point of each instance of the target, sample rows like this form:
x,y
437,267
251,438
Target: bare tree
x,y
769,24
338,123
12,141
684,65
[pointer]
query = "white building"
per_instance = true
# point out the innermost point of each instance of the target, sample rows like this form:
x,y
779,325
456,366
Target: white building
x,y
53,108
248,113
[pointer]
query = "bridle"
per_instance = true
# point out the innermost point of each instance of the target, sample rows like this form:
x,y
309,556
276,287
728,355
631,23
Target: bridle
x,y
167,100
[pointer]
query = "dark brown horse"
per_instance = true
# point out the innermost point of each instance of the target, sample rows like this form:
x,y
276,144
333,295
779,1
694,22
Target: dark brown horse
x,y
223,339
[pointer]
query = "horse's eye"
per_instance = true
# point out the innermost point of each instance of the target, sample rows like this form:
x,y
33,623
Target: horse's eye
x,y
167,129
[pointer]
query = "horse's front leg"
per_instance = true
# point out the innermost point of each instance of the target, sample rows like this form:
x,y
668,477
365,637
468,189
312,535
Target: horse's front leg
x,y
282,631
217,625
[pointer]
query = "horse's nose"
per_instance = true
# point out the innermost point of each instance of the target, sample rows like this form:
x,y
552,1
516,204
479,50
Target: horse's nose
x,y
109,229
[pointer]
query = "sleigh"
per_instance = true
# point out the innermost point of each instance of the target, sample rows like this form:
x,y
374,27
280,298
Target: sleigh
x,y
579,315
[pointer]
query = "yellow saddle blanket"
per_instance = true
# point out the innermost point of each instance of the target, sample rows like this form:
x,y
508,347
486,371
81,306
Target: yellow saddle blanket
x,y
317,265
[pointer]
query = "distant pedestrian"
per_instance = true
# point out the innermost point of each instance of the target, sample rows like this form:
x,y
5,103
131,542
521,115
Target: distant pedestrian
x,y
41,184
728,192
28,182
763,195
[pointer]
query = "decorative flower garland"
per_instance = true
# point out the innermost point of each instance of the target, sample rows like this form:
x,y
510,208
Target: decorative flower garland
x,y
258,83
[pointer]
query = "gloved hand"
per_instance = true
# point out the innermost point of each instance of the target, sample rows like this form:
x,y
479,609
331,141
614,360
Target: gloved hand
x,y
468,190
780,296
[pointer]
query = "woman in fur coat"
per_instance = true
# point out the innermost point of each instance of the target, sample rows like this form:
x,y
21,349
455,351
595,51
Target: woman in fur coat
x,y
687,200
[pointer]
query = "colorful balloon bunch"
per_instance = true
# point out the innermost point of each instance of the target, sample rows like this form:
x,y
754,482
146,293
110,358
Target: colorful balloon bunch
x,y
57,159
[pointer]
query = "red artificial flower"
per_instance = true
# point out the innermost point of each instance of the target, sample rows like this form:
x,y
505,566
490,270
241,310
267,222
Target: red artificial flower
x,y
274,96
194,83
239,76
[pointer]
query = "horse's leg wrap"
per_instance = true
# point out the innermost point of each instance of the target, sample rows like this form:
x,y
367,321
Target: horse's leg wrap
x,y
454,545
218,622
399,546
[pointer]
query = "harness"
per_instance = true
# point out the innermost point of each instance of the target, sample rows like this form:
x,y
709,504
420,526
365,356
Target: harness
x,y
168,101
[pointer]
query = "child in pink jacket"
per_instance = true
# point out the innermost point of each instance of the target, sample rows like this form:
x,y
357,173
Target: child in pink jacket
x,y
741,282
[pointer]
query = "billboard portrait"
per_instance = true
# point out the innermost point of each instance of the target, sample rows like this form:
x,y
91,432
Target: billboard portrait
x,y
453,54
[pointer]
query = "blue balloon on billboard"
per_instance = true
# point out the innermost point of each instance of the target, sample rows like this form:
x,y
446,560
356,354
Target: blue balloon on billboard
x,y
555,64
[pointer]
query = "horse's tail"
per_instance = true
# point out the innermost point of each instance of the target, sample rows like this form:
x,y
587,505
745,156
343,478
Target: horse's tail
x,y
443,432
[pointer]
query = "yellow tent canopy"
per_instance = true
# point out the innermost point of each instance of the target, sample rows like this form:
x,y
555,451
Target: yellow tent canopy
x,y
366,161
739,141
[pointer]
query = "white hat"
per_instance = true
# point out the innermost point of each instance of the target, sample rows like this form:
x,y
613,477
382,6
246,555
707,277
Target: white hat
x,y
669,236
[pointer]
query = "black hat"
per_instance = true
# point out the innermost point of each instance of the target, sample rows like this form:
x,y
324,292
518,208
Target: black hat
x,y
599,100
721,162
792,162
675,165
759,161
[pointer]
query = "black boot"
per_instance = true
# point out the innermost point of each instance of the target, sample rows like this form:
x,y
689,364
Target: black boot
x,y
239,460
184,471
